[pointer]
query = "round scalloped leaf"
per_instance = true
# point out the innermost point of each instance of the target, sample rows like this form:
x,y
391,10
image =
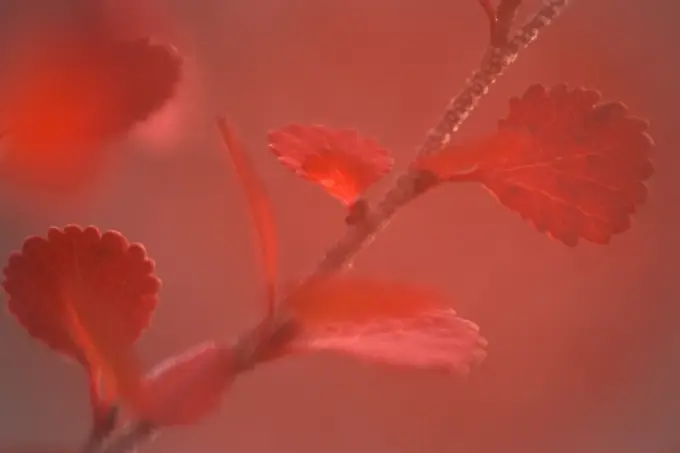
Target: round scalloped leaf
x,y
343,162
573,167
116,278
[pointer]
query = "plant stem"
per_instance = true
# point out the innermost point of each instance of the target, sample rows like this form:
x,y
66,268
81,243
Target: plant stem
x,y
358,236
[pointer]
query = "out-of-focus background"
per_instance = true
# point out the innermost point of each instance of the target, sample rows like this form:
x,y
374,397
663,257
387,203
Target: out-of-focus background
x,y
584,353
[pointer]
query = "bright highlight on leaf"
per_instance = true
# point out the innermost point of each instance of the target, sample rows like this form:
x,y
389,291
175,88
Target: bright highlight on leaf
x,y
434,340
572,166
88,296
66,99
340,160
384,321
260,207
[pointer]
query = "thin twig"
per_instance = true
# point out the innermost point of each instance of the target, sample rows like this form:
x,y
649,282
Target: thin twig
x,y
408,186
494,62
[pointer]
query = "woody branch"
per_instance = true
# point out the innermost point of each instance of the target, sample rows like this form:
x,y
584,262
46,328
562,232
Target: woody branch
x,y
501,52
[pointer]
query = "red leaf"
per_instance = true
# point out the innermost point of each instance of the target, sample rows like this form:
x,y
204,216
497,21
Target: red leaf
x,y
260,207
383,321
104,352
185,389
344,298
340,160
436,340
573,167
118,276
86,295
67,97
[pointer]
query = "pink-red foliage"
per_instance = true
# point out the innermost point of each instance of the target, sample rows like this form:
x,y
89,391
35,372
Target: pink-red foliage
x,y
344,163
88,296
573,167
66,98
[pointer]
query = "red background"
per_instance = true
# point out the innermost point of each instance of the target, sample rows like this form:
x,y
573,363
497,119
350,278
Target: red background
x,y
583,352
